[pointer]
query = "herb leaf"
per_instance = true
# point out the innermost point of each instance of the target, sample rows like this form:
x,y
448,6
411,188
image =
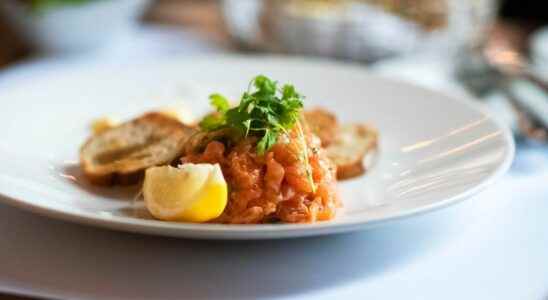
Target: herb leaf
x,y
212,122
219,102
264,111
269,139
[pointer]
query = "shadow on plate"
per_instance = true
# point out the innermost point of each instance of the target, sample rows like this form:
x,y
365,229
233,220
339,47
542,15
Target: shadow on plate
x,y
74,175
78,260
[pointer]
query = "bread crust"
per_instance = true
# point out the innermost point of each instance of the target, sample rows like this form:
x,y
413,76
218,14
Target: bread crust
x,y
352,147
324,124
121,155
354,151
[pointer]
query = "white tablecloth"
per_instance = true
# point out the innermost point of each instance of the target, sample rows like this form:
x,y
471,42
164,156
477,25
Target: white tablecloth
x,y
494,246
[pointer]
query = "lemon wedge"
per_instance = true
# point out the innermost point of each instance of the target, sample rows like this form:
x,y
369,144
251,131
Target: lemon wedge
x,y
189,193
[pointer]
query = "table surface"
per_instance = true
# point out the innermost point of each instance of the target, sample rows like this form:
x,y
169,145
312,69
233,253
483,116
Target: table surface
x,y
493,246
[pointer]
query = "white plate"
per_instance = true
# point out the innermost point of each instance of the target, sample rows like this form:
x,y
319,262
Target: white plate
x,y
435,150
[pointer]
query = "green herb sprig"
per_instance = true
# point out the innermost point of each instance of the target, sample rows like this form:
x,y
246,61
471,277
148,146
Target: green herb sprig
x,y
264,111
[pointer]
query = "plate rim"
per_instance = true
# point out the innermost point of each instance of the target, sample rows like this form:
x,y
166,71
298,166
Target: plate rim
x,y
264,231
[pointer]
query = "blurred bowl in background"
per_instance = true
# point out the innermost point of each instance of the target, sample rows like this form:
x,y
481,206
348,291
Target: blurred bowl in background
x,y
365,30
350,30
75,28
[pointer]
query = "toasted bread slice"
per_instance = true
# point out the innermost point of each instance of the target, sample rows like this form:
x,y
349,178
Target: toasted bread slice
x,y
354,150
121,154
324,124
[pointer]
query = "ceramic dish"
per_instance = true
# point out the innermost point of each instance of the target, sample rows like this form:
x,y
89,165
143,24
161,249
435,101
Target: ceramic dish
x,y
435,150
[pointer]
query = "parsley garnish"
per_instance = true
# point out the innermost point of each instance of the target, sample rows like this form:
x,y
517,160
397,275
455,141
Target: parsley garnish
x,y
264,111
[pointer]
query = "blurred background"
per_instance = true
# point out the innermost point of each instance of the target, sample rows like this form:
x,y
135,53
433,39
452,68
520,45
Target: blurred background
x,y
496,50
